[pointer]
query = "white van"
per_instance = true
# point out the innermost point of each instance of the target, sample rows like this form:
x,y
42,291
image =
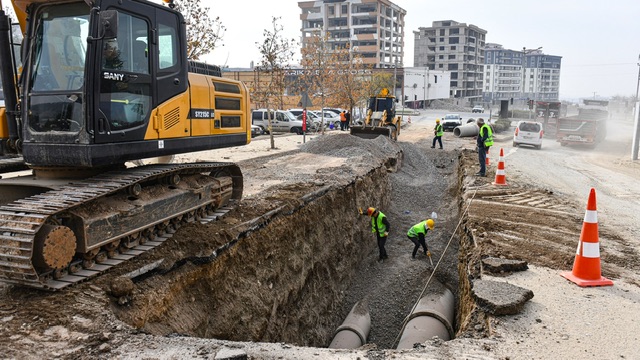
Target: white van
x,y
281,121
528,133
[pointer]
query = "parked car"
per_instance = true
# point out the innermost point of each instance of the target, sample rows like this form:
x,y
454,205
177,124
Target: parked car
x,y
329,118
478,109
450,121
334,110
281,121
315,118
256,131
528,133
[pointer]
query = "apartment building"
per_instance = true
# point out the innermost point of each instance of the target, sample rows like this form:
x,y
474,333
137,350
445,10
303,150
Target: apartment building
x,y
455,47
373,28
520,75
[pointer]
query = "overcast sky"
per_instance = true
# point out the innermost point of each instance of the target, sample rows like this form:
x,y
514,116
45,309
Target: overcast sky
x,y
599,41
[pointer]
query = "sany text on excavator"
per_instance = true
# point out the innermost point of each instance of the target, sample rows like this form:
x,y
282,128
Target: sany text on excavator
x,y
104,82
381,118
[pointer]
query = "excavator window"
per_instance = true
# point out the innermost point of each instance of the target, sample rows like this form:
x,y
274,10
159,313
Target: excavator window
x,y
125,86
58,63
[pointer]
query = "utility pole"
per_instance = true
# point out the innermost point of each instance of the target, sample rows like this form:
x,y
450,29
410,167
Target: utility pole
x,y
395,75
636,134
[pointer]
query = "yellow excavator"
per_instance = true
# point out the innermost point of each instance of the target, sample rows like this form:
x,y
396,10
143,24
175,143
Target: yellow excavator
x,y
381,118
104,83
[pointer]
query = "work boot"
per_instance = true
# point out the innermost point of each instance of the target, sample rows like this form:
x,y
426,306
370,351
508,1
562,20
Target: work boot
x,y
480,174
433,147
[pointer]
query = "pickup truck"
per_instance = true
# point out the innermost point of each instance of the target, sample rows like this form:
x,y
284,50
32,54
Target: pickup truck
x,y
450,121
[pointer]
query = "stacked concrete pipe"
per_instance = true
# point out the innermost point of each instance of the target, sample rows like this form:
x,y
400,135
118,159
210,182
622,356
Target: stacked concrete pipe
x,y
433,316
470,129
354,330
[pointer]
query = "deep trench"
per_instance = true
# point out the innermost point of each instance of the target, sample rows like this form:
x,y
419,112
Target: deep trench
x,y
295,274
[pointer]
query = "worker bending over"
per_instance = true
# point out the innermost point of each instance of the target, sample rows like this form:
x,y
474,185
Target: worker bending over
x,y
379,226
417,235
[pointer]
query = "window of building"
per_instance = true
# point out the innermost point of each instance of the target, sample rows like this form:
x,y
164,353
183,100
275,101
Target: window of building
x,y
453,48
441,57
452,57
440,66
441,48
454,40
454,76
455,31
332,10
441,32
452,67
344,9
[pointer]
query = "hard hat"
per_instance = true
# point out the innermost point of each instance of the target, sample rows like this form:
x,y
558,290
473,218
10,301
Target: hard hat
x,y
370,211
437,120
430,223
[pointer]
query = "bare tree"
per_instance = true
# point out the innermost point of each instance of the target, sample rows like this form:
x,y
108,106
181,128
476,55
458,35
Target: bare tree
x,y
204,33
320,74
350,83
270,85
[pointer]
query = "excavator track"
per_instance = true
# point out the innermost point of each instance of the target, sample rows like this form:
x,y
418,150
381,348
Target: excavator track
x,y
9,163
81,229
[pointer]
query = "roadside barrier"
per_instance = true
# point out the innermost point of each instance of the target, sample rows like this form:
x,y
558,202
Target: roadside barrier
x,y
586,267
501,178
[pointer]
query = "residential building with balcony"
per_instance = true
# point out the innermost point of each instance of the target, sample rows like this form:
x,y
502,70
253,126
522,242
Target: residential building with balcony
x,y
455,47
521,75
373,28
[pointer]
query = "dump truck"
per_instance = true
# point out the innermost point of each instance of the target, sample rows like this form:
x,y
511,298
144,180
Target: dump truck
x,y
105,83
589,127
381,118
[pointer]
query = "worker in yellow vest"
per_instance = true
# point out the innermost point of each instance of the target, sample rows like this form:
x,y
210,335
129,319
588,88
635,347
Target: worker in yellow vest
x,y
484,140
438,131
417,234
379,226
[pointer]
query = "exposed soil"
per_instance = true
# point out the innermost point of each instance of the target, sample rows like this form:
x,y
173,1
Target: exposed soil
x,y
294,256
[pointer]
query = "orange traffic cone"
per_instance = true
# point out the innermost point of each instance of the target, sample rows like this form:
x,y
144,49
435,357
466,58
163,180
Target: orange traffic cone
x,y
586,267
500,175
486,159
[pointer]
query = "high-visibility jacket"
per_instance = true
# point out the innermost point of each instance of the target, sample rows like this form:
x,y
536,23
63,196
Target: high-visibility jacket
x,y
381,227
439,130
418,229
486,135
343,117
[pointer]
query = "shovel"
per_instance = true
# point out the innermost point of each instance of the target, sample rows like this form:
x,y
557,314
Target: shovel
x,y
429,255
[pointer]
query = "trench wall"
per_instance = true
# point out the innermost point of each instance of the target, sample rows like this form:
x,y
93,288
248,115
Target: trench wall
x,y
282,281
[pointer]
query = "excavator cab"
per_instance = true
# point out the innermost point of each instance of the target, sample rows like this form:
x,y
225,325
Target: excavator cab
x,y
110,83
381,118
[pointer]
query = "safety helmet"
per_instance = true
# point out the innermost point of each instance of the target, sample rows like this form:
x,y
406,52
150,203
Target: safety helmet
x,y
430,223
437,121
370,211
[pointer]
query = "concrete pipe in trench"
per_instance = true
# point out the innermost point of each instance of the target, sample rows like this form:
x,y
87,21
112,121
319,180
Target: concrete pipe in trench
x,y
433,316
470,129
354,330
